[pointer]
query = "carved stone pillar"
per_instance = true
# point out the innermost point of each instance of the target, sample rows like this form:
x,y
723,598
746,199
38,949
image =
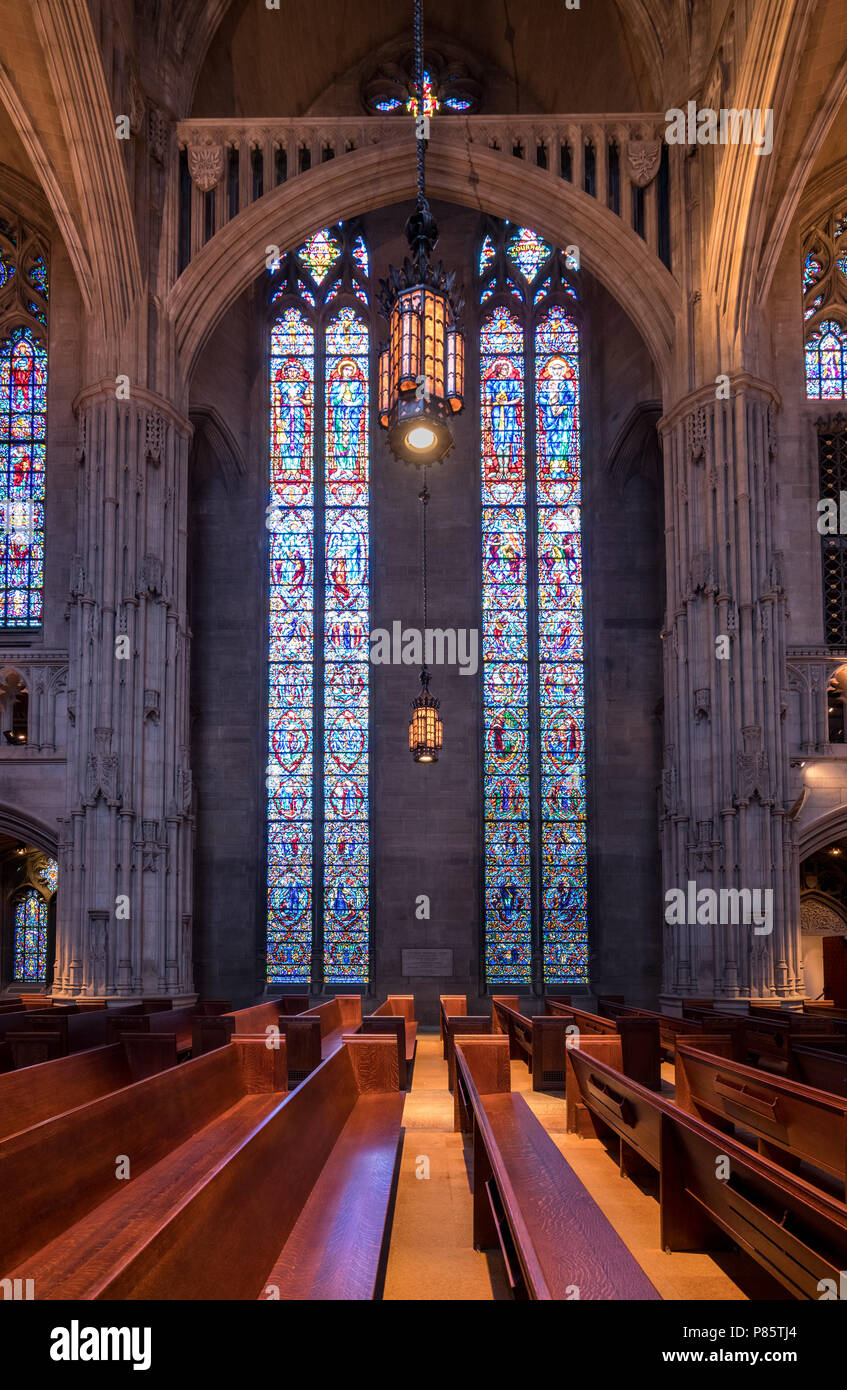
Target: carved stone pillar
x,y
126,851
726,794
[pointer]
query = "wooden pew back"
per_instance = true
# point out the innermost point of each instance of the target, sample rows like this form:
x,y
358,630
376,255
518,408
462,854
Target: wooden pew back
x,y
145,1121
787,1119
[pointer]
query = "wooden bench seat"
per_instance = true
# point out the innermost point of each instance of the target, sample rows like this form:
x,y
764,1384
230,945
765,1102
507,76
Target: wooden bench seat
x,y
555,1240
76,1150
347,1209
212,1217
827,1071
713,1189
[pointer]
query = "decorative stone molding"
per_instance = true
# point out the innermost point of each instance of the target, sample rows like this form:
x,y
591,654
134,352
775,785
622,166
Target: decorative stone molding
x,y
102,771
697,434
151,706
150,582
154,436
206,166
642,158
158,130
819,918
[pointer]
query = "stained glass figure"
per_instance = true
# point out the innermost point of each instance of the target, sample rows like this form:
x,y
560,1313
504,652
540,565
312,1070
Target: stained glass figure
x,y
528,252
430,98
319,254
290,520
30,937
23,445
825,362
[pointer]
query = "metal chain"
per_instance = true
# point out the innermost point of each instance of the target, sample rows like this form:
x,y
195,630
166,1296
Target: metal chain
x,y
419,89
423,495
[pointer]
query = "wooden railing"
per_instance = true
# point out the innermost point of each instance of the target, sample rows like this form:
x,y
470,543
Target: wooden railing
x,y
621,160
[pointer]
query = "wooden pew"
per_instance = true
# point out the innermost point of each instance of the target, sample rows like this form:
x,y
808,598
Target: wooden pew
x,y
78,1029
457,1022
172,1114
34,1094
540,1041
795,1231
555,1240
397,1018
310,1177
642,1053
670,1027
765,1041
791,1123
449,1005
827,1071
255,1020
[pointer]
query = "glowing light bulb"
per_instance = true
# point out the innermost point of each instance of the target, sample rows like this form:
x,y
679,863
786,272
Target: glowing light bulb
x,y
421,437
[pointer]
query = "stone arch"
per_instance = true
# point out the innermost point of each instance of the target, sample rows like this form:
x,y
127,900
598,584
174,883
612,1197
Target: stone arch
x,y
822,831
28,830
472,177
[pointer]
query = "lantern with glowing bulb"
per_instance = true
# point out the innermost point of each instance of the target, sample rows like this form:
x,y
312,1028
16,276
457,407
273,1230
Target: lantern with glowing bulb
x,y
422,368
426,732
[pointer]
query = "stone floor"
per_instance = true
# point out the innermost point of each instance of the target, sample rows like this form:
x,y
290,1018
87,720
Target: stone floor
x,y
431,1255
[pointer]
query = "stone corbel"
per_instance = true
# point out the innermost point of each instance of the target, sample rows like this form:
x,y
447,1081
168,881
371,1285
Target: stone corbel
x,y
642,160
206,166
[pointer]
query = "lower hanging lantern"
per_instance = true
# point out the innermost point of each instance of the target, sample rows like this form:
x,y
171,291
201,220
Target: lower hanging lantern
x,y
426,731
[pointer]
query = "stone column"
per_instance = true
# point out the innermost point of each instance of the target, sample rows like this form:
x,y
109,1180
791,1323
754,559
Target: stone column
x,y
126,850
726,795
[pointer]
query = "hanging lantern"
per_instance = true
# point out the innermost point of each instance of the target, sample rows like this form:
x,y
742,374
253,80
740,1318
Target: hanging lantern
x,y
426,731
422,368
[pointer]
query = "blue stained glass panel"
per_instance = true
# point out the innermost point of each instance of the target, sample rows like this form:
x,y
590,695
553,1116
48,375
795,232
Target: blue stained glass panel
x,y
29,937
23,435
826,362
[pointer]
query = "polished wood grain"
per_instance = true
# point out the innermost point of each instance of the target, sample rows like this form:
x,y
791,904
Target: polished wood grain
x,y
303,1041
795,1231
560,1244
374,1061
640,1039
487,1061
390,1026
77,1149
334,1250
457,1026
448,1004
827,1071
785,1117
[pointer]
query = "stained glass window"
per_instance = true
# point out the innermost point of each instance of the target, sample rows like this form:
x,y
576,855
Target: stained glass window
x,y
430,99
505,650
527,251
825,362
534,798
291,648
24,286
23,445
319,255
346,652
30,937
560,649
319,797
825,307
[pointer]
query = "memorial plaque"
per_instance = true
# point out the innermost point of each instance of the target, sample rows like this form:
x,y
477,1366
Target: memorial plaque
x,y
437,962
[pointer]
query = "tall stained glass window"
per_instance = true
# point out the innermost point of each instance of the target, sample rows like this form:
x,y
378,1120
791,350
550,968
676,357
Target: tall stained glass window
x,y
825,307
319,707
29,937
534,760
23,422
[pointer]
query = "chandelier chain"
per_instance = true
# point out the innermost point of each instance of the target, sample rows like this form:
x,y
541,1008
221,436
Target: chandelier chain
x,y
424,499
419,122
